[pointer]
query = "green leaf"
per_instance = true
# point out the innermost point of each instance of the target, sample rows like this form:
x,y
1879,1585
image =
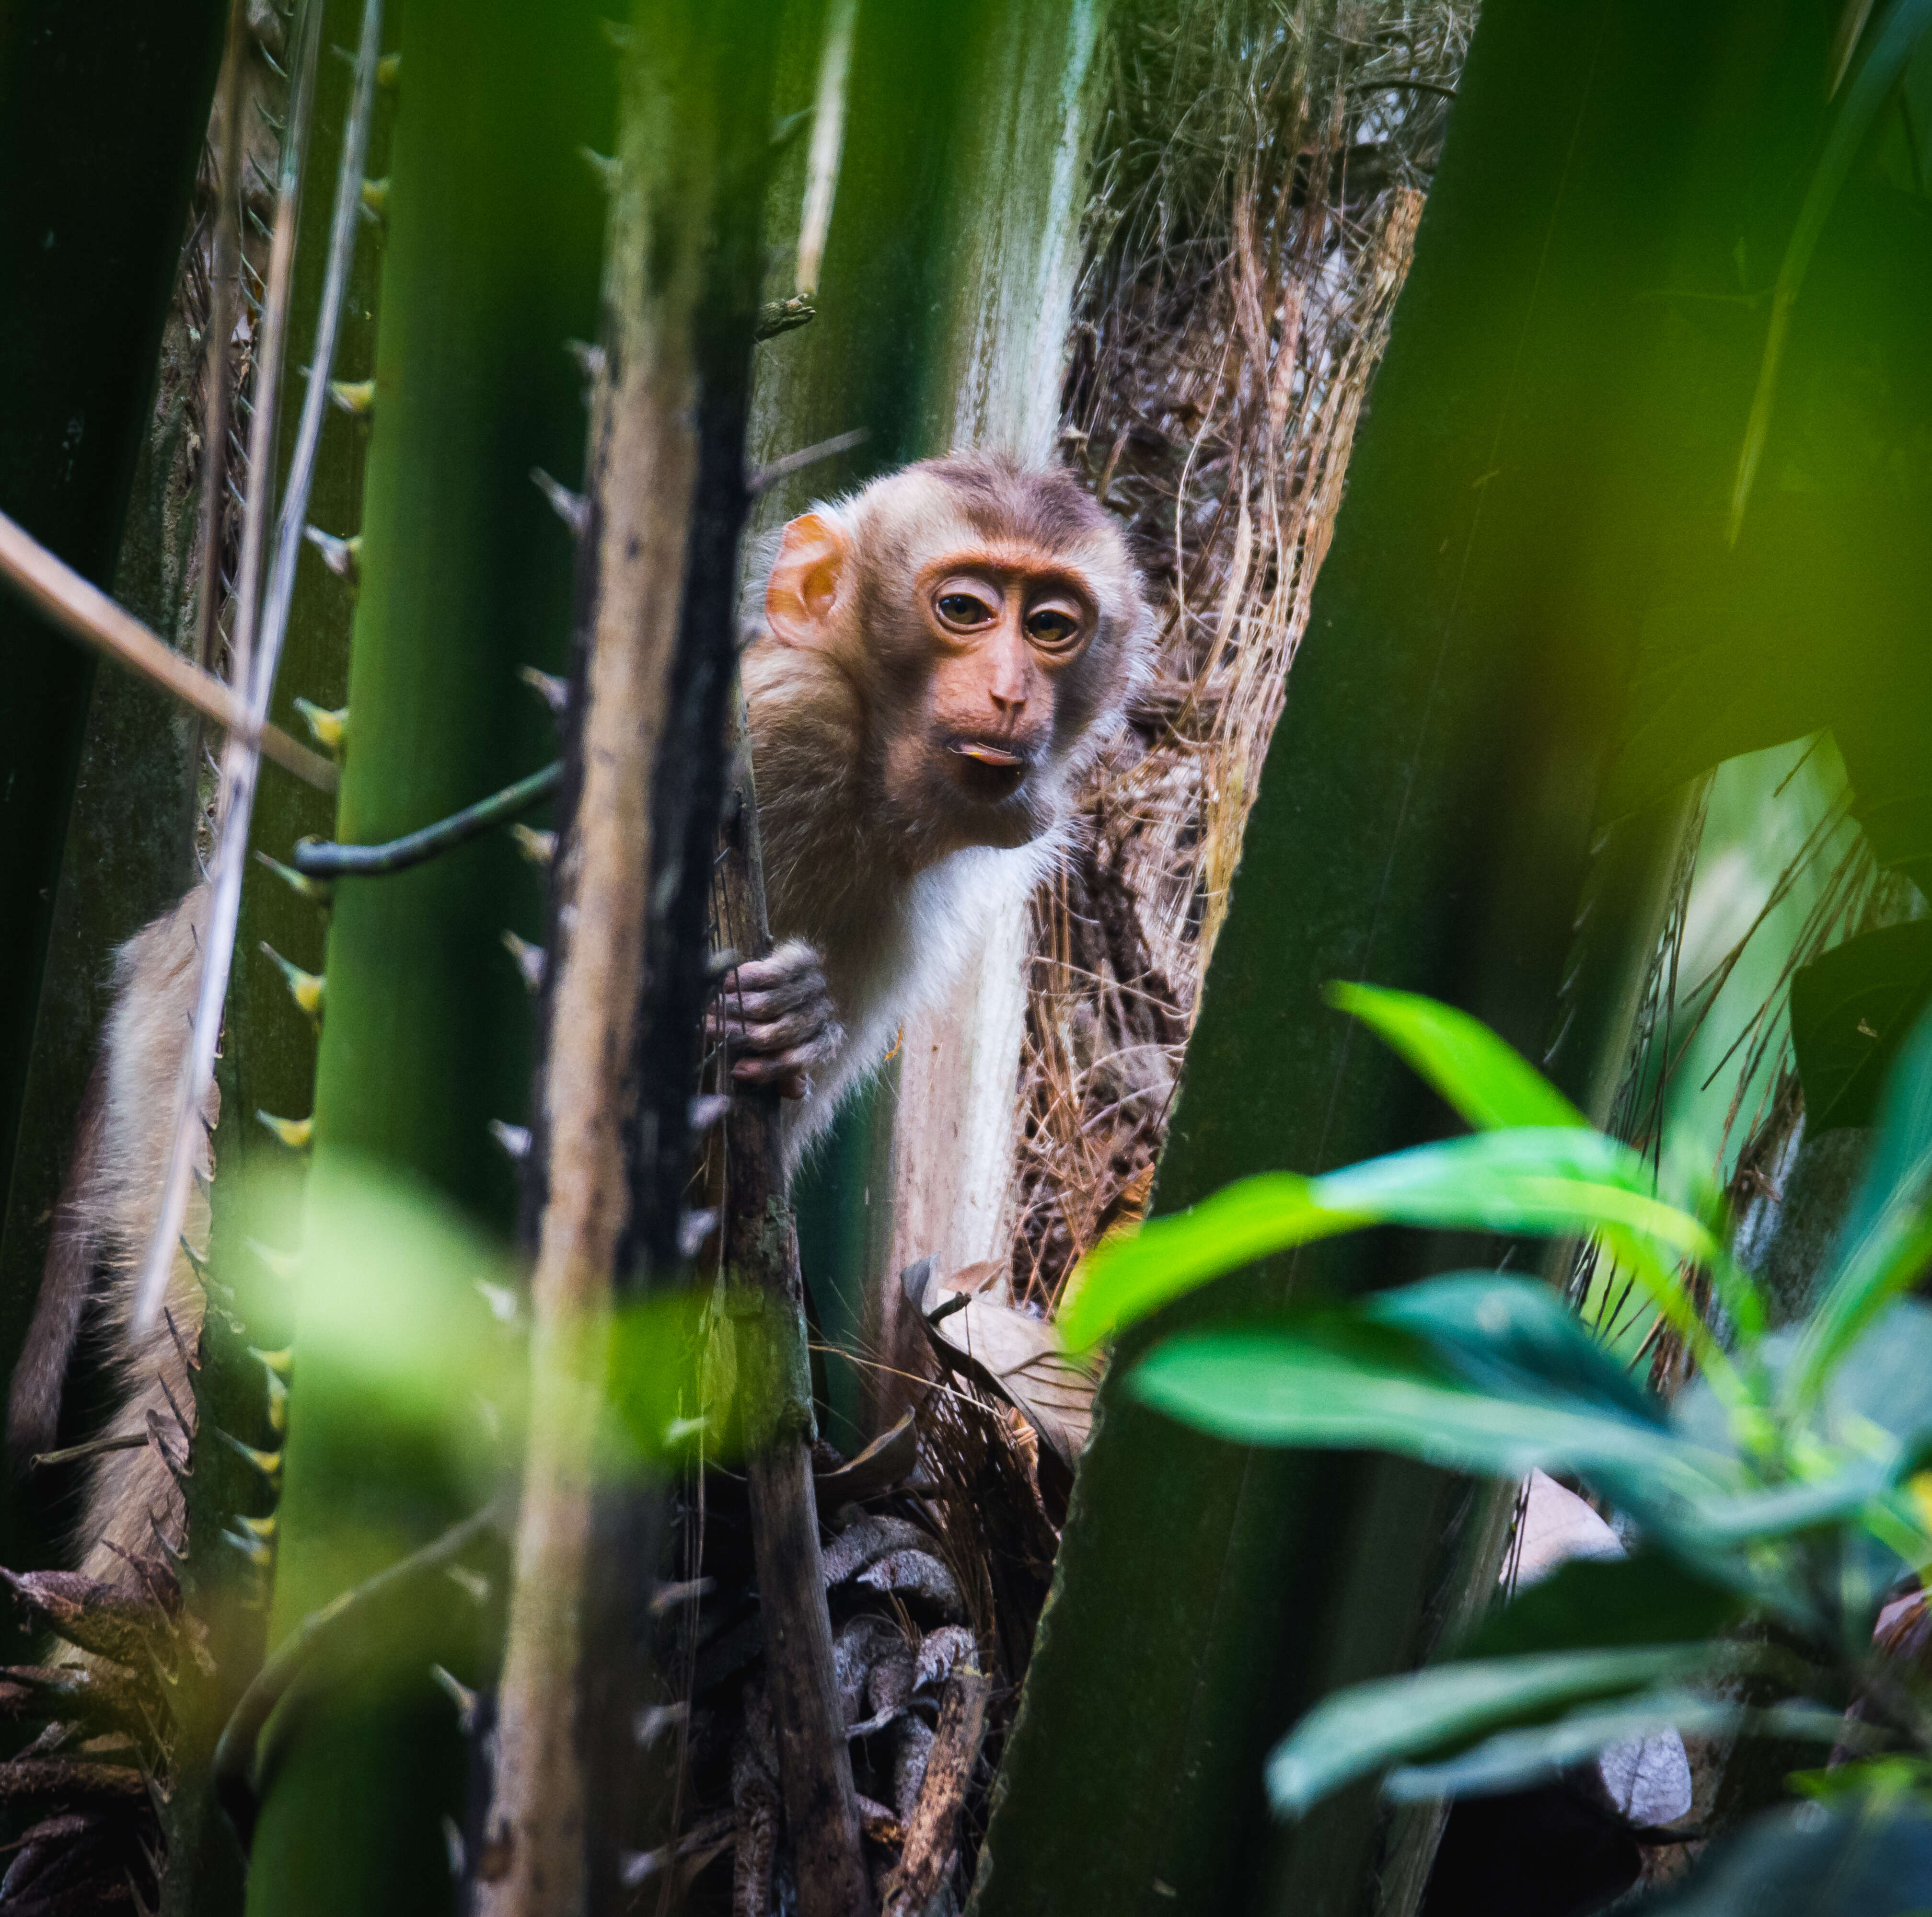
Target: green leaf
x,y
1516,1336
1546,1181
1604,1603
1886,1377
1864,1860
1891,44
1851,1010
1750,1515
1888,1236
1489,1083
1362,1730
1513,1759
1339,1384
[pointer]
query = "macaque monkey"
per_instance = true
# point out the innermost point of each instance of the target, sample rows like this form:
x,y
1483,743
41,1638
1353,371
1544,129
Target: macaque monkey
x,y
941,658
106,1213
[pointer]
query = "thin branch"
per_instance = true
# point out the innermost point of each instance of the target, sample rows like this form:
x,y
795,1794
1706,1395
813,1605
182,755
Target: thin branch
x,y
315,860
82,609
94,1447
828,139
767,476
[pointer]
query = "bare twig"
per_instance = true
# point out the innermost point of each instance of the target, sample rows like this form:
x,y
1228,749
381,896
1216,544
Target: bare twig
x,y
828,139
87,612
316,860
932,1839
767,476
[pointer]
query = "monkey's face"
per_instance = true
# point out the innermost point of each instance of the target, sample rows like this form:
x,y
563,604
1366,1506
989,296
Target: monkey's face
x,y
983,643
989,621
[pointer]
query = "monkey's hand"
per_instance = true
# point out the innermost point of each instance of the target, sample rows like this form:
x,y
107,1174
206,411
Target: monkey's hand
x,y
777,1020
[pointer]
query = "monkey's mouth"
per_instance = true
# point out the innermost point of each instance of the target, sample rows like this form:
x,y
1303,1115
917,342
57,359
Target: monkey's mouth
x,y
986,768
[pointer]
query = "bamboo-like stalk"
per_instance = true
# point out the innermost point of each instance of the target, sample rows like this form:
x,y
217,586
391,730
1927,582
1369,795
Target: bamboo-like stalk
x,y
96,620
240,760
492,235
665,501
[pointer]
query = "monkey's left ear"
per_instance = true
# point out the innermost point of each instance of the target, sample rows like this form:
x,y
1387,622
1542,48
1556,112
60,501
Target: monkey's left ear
x,y
804,585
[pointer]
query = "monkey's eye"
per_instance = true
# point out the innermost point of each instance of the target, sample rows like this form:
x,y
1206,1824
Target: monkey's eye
x,y
964,609
1052,627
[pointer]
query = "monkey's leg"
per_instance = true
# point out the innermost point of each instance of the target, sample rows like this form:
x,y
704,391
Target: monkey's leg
x,y
777,1019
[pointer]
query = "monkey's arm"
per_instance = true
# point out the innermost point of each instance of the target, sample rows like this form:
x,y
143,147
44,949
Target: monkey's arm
x,y
777,1019
33,1403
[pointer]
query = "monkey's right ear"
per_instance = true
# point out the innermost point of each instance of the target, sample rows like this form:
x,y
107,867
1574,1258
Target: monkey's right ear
x,y
804,585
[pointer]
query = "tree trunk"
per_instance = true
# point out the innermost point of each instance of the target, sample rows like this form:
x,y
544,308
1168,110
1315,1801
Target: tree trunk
x,y
1426,821
575,1795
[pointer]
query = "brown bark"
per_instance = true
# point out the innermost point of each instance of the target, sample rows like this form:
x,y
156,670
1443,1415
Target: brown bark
x,y
761,1261
932,1837
642,468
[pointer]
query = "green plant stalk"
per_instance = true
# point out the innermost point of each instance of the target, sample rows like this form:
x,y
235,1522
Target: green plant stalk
x,y
1425,821
268,1062
494,229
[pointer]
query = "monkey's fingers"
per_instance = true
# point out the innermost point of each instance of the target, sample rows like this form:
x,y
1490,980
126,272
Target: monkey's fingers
x,y
813,1031
766,1008
791,972
805,1040
774,1055
783,1073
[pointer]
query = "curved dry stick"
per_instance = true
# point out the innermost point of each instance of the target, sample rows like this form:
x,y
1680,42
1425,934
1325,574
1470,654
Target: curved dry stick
x,y
85,613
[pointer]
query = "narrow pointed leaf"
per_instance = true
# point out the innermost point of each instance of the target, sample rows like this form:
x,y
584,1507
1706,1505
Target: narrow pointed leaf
x,y
1369,1726
1489,1083
1604,1604
1330,1387
1516,1336
1544,1181
1514,1760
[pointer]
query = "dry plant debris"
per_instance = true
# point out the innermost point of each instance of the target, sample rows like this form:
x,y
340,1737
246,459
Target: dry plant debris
x,y
1259,175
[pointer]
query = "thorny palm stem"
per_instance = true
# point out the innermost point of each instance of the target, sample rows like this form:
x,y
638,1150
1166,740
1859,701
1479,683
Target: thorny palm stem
x,y
225,272
240,762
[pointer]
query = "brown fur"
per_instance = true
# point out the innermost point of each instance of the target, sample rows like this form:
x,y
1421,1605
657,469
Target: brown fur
x,y
109,1202
871,857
